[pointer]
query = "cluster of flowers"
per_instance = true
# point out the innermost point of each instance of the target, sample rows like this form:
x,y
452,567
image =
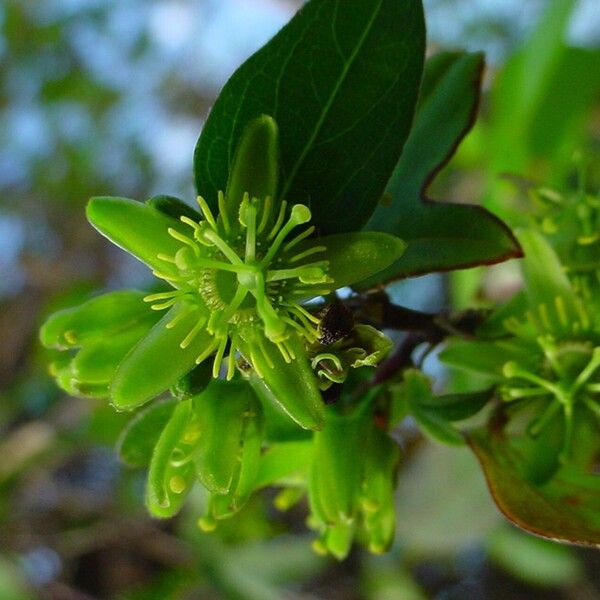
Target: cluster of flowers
x,y
240,279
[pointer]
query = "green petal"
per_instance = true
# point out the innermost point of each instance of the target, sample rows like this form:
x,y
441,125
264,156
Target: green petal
x,y
158,361
354,257
293,386
137,228
98,317
256,164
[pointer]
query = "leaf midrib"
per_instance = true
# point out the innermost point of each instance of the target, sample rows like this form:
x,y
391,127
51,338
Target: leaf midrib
x,y
336,88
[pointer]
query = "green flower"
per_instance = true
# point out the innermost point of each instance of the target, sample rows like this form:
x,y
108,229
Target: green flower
x,y
544,355
240,277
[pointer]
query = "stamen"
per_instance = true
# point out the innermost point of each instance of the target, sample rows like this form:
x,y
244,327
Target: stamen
x,y
216,240
267,208
303,311
193,224
275,328
544,317
514,393
163,305
512,370
588,370
299,215
223,212
306,233
313,272
182,315
219,357
249,211
208,351
279,221
261,345
307,253
231,359
561,311
284,352
163,295
206,212
166,276
255,364
192,334
184,239
166,258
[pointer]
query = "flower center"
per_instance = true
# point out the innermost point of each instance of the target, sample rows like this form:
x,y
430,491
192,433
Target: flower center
x,y
248,272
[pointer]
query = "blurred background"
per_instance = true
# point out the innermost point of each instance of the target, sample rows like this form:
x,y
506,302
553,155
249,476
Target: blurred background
x,y
107,97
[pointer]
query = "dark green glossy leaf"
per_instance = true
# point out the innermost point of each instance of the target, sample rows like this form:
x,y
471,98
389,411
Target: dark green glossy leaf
x,y
136,443
440,236
566,508
341,80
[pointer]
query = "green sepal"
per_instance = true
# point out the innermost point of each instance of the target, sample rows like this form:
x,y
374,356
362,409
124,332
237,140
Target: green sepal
x,y
102,316
137,228
137,441
293,384
355,256
255,167
173,207
171,473
158,361
220,410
